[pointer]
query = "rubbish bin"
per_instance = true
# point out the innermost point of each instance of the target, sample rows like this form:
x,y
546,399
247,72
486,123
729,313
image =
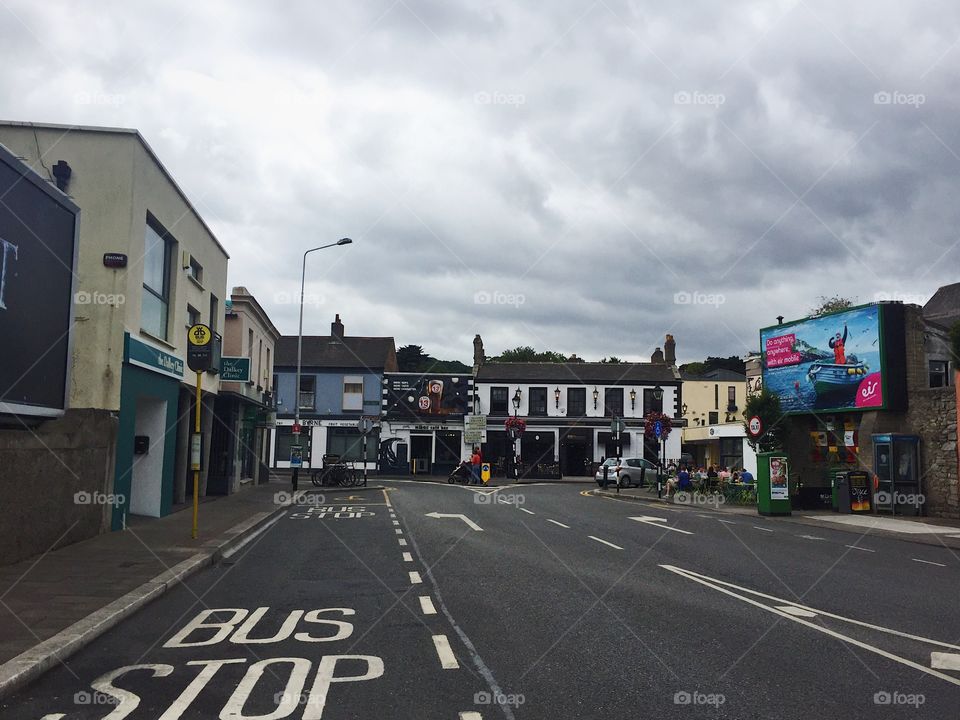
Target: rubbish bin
x,y
773,484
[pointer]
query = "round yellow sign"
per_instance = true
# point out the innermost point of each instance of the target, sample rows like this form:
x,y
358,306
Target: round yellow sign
x,y
199,335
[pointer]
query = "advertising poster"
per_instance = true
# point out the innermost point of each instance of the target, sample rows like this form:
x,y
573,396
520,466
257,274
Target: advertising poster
x,y
779,474
426,396
832,362
859,482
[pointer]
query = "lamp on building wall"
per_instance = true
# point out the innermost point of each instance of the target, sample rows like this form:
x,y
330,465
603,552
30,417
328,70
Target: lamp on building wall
x,y
633,399
658,393
516,401
596,395
683,409
556,397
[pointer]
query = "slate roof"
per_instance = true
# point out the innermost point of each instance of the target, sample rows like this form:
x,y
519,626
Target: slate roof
x,y
944,306
579,373
328,351
717,375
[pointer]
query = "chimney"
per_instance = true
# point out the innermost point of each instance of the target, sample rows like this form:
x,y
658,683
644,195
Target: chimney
x,y
657,356
670,351
478,356
336,327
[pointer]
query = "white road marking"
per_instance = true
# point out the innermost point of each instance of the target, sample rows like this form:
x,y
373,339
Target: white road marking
x,y
407,557
403,543
467,520
528,512
757,527
398,531
810,537
728,522
795,611
253,536
396,522
426,604
415,578
448,660
928,562
466,715
945,661
659,523
604,542
558,523
386,499
722,585
57,716
702,515
857,547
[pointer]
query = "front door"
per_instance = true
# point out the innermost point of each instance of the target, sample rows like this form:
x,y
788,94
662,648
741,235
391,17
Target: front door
x,y
576,452
421,452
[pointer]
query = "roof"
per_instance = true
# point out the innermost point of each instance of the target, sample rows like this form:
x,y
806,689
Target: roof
x,y
944,306
146,146
327,351
579,372
717,375
241,296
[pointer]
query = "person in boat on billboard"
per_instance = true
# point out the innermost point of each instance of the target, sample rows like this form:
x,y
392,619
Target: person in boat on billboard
x,y
837,345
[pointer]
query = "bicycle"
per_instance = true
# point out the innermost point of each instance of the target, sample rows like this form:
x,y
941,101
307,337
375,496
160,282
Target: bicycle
x,y
335,473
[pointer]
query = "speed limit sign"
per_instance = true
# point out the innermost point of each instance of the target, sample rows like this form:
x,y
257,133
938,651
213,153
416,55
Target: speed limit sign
x,y
755,426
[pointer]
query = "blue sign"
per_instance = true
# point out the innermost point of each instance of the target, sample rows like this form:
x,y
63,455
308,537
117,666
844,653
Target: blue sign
x,y
658,429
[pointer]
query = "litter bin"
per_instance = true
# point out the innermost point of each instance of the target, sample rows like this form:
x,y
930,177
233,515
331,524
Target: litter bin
x,y
773,484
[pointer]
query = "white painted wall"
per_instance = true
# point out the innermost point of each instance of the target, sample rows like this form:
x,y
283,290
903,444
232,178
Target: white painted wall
x,y
147,479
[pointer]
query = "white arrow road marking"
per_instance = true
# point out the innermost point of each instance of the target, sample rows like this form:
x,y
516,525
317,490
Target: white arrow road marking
x,y
448,660
467,520
559,523
604,542
721,586
945,661
928,562
426,604
657,522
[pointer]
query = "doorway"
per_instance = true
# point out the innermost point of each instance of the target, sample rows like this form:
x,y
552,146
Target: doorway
x,y
576,453
421,452
146,482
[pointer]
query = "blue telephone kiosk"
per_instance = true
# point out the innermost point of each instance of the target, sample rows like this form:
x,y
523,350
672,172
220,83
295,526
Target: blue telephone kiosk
x,y
896,463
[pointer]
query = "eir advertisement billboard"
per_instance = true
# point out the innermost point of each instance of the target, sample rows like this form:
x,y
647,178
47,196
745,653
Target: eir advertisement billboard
x,y
834,362
38,226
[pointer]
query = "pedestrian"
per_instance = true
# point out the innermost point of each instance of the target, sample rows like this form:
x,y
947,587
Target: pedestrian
x,y
475,461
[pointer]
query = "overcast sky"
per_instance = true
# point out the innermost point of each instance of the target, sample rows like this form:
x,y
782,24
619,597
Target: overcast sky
x,y
579,176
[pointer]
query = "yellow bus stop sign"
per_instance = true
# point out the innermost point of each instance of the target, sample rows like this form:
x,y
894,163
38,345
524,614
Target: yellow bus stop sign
x,y
199,335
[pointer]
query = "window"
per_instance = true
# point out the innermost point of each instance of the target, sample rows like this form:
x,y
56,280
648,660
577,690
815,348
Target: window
x,y
156,283
308,392
348,444
938,374
731,398
267,372
538,401
273,386
716,397
714,417
214,312
353,392
285,440
576,402
261,374
193,316
613,402
650,402
499,400
250,346
195,270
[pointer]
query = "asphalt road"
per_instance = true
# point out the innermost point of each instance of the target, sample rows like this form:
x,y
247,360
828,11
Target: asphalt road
x,y
365,604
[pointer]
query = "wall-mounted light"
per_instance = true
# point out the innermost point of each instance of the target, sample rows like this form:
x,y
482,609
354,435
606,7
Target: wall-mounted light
x,y
658,393
633,399
684,409
596,395
516,399
556,397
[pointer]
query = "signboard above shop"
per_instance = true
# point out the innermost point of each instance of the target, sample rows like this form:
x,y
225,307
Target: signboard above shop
x,y
234,369
849,360
429,397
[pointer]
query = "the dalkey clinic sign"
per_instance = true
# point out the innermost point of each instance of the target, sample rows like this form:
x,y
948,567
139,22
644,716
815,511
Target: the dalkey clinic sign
x,y
38,240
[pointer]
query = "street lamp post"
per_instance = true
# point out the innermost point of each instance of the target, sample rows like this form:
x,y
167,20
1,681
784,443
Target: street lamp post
x,y
296,395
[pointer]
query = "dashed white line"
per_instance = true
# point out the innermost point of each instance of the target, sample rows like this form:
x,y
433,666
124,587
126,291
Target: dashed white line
x,y
466,715
928,562
426,604
448,660
528,512
857,547
407,557
396,522
403,543
599,540
398,531
944,661
757,527
415,578
558,523
728,522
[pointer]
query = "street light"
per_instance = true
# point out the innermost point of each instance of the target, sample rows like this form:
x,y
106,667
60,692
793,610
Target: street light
x,y
633,399
556,397
596,394
296,394
516,402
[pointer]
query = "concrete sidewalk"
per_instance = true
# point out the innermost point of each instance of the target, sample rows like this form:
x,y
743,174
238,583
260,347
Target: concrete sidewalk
x,y
53,604
941,532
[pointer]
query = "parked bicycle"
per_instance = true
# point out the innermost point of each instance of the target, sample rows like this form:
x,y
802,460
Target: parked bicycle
x,y
335,473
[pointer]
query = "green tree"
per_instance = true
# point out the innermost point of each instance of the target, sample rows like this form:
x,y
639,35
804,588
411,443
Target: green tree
x,y
613,360
766,406
410,358
525,353
831,304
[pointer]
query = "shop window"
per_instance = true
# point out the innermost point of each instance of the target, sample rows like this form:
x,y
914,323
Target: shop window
x,y
613,402
158,246
538,401
347,443
576,402
284,441
353,392
499,400
308,392
939,377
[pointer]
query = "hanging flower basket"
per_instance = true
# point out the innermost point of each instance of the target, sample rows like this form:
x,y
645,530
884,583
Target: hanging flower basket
x,y
650,420
515,426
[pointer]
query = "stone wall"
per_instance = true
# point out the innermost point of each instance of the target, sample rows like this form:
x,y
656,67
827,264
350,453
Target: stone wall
x,y
55,479
933,416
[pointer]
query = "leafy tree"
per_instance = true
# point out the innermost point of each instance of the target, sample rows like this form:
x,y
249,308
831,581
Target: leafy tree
x,y
766,406
733,363
831,304
525,353
412,358
613,360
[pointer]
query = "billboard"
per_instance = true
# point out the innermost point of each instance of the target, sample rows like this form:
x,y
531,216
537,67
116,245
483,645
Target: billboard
x,y
426,396
834,362
38,240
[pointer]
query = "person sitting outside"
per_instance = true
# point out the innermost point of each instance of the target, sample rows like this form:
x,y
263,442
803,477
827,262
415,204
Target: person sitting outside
x,y
746,477
681,482
724,476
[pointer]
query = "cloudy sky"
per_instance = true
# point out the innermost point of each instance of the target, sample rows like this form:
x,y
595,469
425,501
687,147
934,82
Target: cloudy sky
x,y
583,176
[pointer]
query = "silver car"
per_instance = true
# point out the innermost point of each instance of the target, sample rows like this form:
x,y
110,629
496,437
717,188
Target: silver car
x,y
633,471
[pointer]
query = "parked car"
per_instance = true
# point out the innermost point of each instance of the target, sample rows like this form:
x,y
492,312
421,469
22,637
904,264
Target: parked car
x,y
630,472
